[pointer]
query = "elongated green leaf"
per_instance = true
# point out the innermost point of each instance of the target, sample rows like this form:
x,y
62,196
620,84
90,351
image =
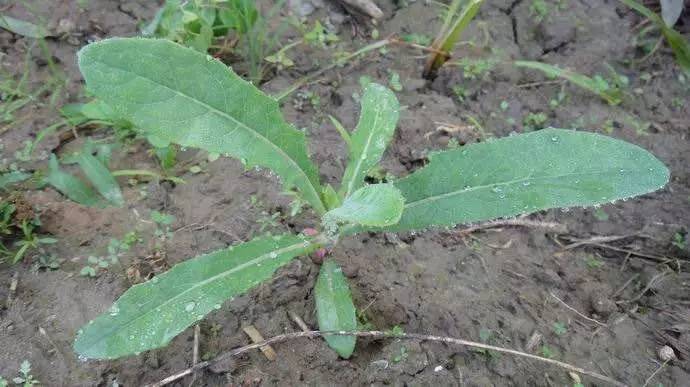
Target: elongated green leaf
x,y
149,315
550,168
22,27
335,310
69,185
101,178
9,178
374,131
679,45
372,205
610,93
181,96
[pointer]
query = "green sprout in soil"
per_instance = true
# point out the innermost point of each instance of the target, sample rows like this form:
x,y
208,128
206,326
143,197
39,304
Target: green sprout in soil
x,y
609,90
679,44
457,17
199,102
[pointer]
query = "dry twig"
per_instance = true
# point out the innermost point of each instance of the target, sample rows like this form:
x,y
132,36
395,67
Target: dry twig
x,y
380,335
576,311
516,222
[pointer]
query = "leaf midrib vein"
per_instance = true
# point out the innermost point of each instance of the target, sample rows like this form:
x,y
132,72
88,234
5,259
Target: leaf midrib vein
x,y
359,161
229,117
219,276
520,180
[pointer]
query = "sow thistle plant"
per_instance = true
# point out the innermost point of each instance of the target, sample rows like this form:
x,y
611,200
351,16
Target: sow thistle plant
x,y
177,95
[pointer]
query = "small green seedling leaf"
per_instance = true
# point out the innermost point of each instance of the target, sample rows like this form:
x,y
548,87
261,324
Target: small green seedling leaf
x,y
9,178
375,205
335,310
380,110
21,27
149,315
70,186
101,178
185,97
550,168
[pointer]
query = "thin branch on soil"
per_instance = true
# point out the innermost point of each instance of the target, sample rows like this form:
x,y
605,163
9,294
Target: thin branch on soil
x,y
534,84
13,289
195,352
257,337
649,379
651,283
518,222
298,320
304,80
380,335
625,285
576,311
596,240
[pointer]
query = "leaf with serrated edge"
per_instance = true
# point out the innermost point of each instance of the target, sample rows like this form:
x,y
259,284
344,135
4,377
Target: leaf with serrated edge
x,y
380,110
335,310
149,315
550,168
372,205
181,96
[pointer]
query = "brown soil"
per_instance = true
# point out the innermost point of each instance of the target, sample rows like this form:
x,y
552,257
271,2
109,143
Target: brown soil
x,y
440,282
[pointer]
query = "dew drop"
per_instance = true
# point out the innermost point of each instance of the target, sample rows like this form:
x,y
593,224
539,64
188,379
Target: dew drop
x,y
190,306
114,310
554,139
216,306
273,255
526,183
496,189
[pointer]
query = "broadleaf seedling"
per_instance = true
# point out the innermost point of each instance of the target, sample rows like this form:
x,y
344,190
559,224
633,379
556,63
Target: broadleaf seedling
x,y
180,96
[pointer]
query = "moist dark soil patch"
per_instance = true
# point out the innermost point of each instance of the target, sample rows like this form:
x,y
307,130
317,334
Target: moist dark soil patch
x,y
497,285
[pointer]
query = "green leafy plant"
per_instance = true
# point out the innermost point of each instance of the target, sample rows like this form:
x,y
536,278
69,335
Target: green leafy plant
x,y
183,97
457,17
609,90
679,45
25,378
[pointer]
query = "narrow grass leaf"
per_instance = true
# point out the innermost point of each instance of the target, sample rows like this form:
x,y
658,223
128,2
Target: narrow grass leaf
x,y
679,45
21,27
379,116
550,168
372,205
335,310
70,186
185,97
149,315
611,95
101,178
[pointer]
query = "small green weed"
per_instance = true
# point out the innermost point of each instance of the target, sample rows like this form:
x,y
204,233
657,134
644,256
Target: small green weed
x,y
680,240
559,328
25,379
593,262
534,121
